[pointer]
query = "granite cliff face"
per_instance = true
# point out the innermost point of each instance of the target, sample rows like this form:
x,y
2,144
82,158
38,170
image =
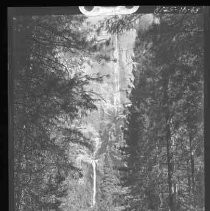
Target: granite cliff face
x,y
103,127
112,91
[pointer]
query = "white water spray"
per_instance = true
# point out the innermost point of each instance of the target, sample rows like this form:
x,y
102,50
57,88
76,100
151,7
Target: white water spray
x,y
94,181
87,159
116,73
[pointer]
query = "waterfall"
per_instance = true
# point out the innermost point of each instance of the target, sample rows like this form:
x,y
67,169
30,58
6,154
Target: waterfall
x,y
94,181
116,74
86,159
121,71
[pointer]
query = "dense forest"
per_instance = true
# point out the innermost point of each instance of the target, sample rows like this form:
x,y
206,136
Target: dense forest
x,y
108,114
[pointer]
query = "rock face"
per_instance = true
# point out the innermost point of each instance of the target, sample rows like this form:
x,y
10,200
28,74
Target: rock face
x,y
113,93
103,127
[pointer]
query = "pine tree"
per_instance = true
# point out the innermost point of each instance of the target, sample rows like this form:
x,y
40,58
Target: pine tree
x,y
46,103
163,113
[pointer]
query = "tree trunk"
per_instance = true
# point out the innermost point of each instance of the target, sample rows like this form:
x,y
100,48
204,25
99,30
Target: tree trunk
x,y
18,185
188,176
192,168
171,202
170,173
192,165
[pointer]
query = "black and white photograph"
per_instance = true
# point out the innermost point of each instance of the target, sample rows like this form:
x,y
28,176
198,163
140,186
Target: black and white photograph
x,y
107,109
